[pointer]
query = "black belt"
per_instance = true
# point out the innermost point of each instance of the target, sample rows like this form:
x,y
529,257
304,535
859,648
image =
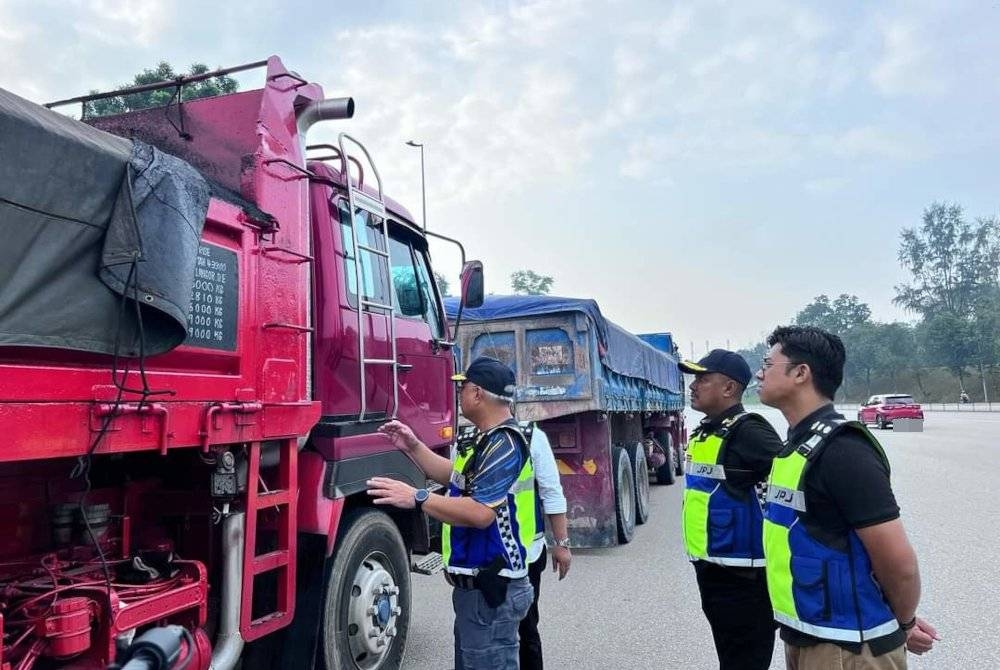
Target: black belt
x,y
467,582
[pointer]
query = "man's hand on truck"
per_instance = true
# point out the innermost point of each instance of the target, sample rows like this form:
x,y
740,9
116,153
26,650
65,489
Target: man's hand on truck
x,y
458,511
387,491
403,438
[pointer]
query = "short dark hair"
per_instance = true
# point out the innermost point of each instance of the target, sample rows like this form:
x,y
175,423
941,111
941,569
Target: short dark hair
x,y
822,351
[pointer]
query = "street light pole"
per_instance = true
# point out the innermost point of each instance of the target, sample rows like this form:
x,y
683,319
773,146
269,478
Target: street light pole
x,y
423,191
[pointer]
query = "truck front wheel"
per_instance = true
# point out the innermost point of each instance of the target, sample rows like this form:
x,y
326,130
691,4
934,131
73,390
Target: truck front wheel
x,y
624,495
366,615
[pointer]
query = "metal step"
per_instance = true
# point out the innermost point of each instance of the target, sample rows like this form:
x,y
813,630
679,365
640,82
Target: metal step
x,y
429,564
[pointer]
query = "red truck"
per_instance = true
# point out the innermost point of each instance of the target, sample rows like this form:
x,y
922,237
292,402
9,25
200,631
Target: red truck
x,y
192,382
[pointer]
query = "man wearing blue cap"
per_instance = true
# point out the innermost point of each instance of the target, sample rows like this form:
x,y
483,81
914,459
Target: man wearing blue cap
x,y
728,456
489,516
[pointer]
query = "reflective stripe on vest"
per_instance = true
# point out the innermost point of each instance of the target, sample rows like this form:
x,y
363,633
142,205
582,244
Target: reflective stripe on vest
x,y
718,527
824,592
716,471
465,550
826,633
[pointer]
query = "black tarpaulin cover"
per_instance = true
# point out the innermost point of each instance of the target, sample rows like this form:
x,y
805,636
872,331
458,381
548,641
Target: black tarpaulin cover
x,y
87,218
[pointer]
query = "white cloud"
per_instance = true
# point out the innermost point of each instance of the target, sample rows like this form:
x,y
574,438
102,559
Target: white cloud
x,y
15,36
732,87
825,185
496,106
12,32
907,66
708,147
866,142
135,22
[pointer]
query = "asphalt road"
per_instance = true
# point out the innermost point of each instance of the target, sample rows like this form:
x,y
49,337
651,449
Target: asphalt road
x,y
637,607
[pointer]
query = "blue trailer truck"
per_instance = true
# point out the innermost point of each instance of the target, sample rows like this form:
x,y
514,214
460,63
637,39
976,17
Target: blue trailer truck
x,y
610,402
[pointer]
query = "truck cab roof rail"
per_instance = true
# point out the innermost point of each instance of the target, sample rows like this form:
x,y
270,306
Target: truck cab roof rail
x,y
177,82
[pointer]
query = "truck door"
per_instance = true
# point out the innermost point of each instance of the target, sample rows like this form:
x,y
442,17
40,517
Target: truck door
x,y
425,360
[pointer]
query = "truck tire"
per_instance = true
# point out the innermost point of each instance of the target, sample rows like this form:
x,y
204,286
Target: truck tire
x,y
624,495
666,473
637,455
367,591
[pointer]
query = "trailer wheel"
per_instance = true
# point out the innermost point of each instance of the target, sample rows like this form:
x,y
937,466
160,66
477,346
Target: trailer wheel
x,y
366,615
624,495
637,455
666,473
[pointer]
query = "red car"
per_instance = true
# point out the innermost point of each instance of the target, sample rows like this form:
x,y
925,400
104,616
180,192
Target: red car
x,y
882,410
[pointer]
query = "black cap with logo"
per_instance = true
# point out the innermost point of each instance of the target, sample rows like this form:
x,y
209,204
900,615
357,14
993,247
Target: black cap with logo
x,y
490,374
724,362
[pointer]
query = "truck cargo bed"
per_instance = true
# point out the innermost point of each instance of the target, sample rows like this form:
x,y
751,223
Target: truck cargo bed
x,y
568,358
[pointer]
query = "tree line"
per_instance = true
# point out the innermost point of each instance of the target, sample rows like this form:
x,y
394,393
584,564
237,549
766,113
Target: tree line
x,y
953,290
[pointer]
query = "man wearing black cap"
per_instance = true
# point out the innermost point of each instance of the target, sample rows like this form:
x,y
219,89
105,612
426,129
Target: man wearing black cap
x,y
728,455
489,516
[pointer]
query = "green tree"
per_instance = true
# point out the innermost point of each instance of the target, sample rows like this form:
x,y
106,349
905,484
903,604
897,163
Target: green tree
x,y
949,341
954,267
838,316
754,355
849,318
952,262
160,97
528,282
862,343
986,333
897,351
442,283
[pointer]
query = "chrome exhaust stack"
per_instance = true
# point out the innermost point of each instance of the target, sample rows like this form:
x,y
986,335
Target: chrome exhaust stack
x,y
315,111
229,642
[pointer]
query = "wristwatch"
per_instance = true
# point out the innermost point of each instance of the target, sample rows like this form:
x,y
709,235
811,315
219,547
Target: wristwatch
x,y
420,496
562,543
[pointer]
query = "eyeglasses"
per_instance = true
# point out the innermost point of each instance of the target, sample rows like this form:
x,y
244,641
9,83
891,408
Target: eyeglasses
x,y
767,364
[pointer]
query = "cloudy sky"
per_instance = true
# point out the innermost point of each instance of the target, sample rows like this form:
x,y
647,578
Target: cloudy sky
x,y
700,167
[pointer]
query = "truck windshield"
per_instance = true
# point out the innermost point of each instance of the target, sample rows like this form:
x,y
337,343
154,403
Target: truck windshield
x,y
411,280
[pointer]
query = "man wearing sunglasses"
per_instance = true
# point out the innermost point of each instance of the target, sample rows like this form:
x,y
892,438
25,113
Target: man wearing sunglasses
x,y
489,516
728,455
842,575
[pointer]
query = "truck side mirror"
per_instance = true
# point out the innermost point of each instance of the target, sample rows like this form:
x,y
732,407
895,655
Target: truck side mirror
x,y
472,284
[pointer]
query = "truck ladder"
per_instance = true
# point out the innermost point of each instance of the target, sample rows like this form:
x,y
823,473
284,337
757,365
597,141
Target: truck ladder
x,y
280,504
375,206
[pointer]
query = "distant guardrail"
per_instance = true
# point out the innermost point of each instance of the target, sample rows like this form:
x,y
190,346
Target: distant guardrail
x,y
940,406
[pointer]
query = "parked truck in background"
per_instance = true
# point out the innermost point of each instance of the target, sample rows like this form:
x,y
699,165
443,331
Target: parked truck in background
x,y
197,344
611,403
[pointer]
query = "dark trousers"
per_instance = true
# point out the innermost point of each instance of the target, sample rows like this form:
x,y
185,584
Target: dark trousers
x,y
738,609
530,652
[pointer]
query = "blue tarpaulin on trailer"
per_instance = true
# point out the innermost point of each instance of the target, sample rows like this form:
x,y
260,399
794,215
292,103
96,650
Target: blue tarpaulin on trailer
x,y
621,351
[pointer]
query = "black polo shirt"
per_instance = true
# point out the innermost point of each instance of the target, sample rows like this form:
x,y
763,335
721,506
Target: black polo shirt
x,y
847,487
750,448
